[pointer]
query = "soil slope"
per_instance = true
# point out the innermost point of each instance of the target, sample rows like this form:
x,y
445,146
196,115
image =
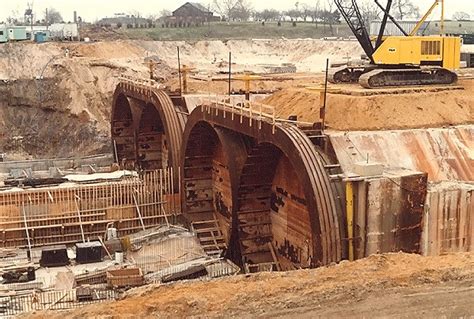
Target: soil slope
x,y
388,111
325,291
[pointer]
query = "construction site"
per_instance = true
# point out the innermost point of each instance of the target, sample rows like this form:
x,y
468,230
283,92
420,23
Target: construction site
x,y
254,178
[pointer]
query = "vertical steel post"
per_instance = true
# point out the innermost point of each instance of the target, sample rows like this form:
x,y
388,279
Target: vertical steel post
x,y
323,110
179,73
350,218
230,73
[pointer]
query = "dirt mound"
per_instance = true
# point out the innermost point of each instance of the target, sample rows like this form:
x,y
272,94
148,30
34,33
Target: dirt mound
x,y
268,293
388,111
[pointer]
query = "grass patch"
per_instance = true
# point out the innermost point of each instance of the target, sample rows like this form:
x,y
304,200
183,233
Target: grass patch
x,y
247,30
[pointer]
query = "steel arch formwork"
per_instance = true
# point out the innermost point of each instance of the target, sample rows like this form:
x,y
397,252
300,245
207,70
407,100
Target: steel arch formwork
x,y
271,170
146,127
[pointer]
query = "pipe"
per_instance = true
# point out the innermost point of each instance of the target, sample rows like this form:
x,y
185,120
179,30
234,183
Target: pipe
x,y
27,232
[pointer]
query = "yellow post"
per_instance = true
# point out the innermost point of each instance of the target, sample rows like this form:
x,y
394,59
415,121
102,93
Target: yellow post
x,y
247,88
247,78
185,70
185,79
322,110
151,67
350,217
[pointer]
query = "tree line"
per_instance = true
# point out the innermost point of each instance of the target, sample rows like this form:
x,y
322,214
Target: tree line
x,y
318,11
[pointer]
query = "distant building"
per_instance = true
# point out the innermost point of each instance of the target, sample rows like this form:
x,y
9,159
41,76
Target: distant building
x,y
64,31
16,33
3,34
189,14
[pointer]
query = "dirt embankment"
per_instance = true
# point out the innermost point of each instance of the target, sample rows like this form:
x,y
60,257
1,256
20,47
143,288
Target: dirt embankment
x,y
389,111
83,77
68,87
283,294
55,103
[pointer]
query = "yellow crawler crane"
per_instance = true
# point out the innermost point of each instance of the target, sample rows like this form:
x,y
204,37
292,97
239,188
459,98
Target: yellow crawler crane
x,y
399,60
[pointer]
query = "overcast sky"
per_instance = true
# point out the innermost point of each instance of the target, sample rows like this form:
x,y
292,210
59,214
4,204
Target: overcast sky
x,y
91,10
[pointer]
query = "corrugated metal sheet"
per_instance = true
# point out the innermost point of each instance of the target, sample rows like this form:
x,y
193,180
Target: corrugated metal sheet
x,y
388,213
449,219
392,29
445,154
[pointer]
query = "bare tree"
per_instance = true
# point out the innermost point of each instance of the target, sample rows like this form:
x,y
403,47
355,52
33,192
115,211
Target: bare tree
x,y
406,9
164,13
461,16
53,16
225,7
315,12
269,15
242,11
369,12
305,11
294,14
14,18
331,15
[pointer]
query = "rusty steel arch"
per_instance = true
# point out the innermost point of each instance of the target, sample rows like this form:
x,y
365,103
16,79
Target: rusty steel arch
x,y
173,118
303,156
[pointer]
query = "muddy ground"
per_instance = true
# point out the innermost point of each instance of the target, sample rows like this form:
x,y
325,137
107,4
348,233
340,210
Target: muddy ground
x,y
390,285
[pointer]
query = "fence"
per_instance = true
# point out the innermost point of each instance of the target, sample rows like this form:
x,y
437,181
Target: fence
x,y
51,300
65,215
248,111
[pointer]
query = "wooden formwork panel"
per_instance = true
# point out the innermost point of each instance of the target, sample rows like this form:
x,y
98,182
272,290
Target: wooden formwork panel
x,y
65,215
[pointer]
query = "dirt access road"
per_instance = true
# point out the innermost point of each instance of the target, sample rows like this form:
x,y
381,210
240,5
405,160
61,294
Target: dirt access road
x,y
390,285
447,300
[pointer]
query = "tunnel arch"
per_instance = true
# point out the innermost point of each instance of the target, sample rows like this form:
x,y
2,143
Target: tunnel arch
x,y
210,159
149,106
273,217
307,165
123,131
152,145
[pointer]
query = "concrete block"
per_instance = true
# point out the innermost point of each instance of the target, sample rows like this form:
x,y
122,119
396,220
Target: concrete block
x,y
55,172
368,169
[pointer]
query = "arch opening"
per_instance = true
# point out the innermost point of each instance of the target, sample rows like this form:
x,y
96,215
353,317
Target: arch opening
x,y
207,188
123,132
273,216
152,145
